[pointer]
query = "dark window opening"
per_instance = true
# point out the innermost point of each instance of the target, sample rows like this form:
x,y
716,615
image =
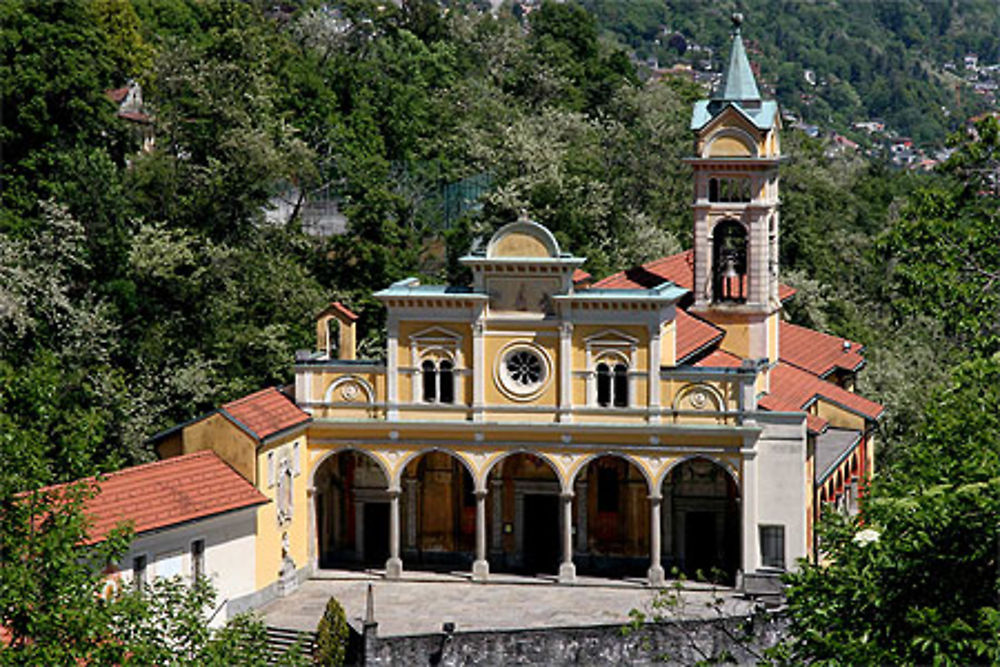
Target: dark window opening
x,y
447,381
772,546
139,572
713,190
603,385
197,559
430,381
607,489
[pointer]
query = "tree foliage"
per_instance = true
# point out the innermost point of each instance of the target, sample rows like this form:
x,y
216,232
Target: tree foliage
x,y
914,579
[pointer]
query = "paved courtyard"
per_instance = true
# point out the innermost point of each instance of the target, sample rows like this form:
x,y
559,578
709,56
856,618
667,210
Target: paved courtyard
x,y
422,602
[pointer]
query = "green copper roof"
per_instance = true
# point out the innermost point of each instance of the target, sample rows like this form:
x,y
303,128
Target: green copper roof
x,y
739,90
738,83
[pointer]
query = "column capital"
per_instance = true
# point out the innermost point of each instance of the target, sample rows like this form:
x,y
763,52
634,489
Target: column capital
x,y
566,495
655,497
480,494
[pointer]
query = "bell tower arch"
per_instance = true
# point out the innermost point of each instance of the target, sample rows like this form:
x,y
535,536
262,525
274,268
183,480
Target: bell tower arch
x,y
737,151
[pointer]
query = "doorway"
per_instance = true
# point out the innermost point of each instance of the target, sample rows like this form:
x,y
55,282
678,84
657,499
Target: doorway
x,y
541,533
376,532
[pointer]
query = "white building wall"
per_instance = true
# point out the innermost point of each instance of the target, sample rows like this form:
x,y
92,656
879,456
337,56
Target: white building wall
x,y
229,554
781,483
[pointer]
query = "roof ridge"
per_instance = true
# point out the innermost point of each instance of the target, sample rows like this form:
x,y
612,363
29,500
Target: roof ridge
x,y
173,460
259,392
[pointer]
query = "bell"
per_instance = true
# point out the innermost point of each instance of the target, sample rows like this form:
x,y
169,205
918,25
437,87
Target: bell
x,y
730,270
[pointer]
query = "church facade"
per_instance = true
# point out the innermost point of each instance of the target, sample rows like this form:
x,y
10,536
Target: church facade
x,y
534,421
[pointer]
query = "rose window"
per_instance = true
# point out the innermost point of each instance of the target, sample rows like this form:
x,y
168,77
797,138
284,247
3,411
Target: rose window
x,y
525,368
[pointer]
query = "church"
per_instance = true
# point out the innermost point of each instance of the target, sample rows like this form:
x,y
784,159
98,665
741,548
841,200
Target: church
x,y
536,421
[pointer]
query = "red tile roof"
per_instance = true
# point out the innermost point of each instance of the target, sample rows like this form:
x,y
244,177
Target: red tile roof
x,y
817,352
265,413
678,269
694,334
344,310
800,388
580,276
814,423
117,94
719,359
166,493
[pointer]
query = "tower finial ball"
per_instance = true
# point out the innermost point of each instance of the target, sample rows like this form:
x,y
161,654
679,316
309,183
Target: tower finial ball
x,y
737,20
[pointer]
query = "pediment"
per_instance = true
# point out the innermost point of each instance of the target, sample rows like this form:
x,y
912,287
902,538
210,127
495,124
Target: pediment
x,y
436,335
611,337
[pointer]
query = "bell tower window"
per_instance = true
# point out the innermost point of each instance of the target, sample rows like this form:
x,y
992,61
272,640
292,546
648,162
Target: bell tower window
x,y
729,262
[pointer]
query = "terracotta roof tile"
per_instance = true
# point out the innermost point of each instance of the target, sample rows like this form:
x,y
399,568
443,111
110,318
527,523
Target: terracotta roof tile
x,y
166,493
694,334
344,310
117,94
719,359
265,412
580,276
678,269
817,352
814,423
797,387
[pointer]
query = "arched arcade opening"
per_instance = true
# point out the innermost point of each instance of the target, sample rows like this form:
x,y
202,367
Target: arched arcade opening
x,y
701,534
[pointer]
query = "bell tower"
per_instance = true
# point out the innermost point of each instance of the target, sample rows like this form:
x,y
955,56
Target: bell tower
x,y
737,151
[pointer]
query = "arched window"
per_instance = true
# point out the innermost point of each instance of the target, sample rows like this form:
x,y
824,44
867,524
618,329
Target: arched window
x,y
621,386
603,385
438,381
612,385
430,380
729,262
446,378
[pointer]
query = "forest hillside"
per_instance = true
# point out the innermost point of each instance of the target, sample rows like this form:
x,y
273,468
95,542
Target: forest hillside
x,y
155,265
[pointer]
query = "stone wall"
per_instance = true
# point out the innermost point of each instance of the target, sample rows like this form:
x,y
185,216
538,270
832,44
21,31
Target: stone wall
x,y
682,643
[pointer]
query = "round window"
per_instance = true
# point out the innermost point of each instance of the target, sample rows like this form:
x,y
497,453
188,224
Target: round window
x,y
522,371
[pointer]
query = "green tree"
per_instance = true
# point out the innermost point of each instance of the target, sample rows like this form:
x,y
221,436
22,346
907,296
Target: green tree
x,y
914,578
946,262
332,635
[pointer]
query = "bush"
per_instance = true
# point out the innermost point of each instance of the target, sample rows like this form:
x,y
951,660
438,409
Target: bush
x,y
332,634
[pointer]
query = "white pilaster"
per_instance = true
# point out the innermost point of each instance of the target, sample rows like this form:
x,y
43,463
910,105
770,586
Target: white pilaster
x,y
392,369
478,369
565,371
654,372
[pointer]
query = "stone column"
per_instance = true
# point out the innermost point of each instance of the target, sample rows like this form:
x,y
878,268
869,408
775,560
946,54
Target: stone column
x,y
394,566
481,567
567,571
656,574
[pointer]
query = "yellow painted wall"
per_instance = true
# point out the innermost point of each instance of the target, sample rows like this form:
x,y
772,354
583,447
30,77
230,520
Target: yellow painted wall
x,y
520,245
269,531
728,147
229,441
772,336
838,417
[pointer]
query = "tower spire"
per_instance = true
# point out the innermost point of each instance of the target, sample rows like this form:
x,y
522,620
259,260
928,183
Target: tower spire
x,y
738,83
